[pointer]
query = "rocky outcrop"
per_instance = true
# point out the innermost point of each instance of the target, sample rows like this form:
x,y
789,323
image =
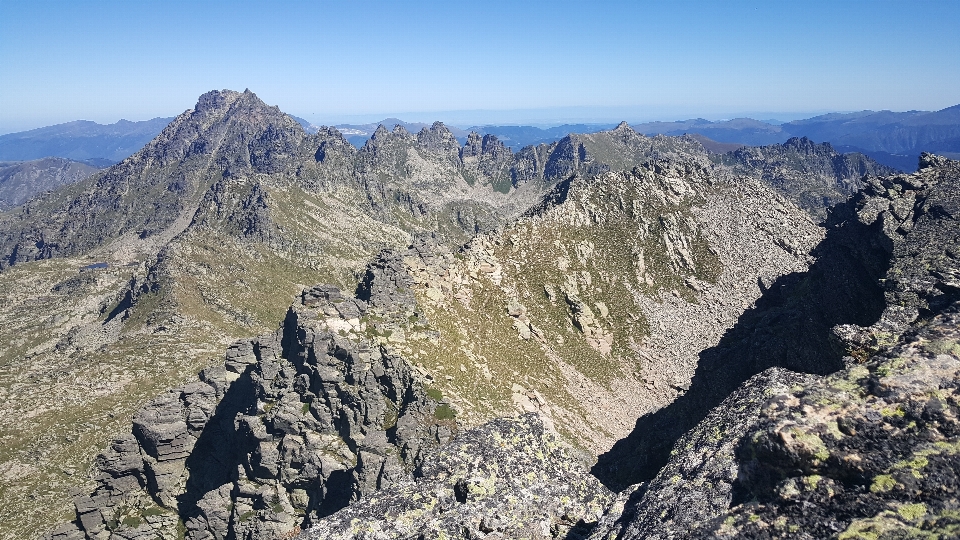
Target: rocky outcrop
x,y
871,452
291,428
865,452
917,212
509,478
698,481
487,159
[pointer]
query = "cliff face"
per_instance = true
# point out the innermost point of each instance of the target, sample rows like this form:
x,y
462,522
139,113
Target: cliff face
x,y
867,451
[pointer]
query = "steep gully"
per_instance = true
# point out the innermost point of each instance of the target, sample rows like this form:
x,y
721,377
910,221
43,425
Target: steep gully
x,y
789,326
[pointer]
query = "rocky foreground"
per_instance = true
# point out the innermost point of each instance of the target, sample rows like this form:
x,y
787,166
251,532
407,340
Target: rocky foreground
x,y
310,432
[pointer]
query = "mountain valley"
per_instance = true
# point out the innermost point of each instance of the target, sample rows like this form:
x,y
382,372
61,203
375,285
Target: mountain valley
x,y
396,339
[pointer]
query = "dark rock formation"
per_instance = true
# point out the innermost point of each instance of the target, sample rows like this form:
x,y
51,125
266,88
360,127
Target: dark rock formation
x,y
867,452
509,478
293,427
871,452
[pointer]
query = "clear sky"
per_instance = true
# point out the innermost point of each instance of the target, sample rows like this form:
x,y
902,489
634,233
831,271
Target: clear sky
x,y
332,61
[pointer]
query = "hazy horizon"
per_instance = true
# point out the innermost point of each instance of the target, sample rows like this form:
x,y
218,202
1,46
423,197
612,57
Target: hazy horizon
x,y
542,118
336,61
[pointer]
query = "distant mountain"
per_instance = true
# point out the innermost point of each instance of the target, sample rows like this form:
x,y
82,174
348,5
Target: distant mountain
x,y
898,133
516,137
357,134
894,139
21,180
81,139
307,126
834,126
715,147
903,162
744,131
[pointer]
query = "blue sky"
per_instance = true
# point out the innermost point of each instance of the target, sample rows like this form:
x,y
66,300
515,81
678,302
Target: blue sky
x,y
468,61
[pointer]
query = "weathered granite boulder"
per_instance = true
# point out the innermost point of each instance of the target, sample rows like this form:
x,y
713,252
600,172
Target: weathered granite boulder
x,y
509,478
697,484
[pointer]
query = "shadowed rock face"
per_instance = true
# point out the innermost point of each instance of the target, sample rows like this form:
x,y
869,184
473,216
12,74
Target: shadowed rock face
x,y
293,427
868,451
790,326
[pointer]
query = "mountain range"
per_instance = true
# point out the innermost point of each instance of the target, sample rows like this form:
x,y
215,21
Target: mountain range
x,y
610,335
81,140
895,139
21,180
892,138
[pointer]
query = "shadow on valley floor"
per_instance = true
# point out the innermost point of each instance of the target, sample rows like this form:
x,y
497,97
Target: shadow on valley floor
x,y
790,326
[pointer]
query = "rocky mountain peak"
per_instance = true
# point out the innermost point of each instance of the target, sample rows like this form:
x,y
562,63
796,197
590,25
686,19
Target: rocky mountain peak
x,y
806,146
928,160
473,146
438,138
491,144
380,132
224,122
216,100
330,140
228,134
